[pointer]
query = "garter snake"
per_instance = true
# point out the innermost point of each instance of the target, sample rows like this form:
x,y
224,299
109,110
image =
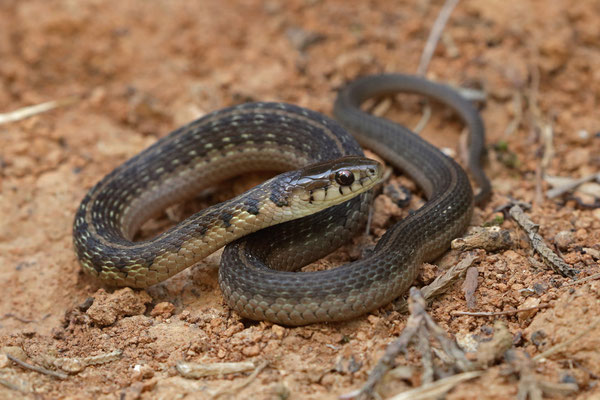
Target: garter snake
x,y
256,271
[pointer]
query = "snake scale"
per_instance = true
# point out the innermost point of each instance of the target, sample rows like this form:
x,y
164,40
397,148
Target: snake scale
x,y
257,275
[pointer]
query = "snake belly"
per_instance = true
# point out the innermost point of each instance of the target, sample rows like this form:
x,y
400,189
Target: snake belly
x,y
256,271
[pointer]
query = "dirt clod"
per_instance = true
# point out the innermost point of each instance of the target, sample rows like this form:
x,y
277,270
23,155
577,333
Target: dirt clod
x,y
108,307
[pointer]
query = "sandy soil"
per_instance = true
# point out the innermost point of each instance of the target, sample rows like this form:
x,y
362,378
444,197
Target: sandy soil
x,y
146,67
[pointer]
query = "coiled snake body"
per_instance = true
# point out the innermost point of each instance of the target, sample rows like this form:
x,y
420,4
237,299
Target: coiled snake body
x,y
256,271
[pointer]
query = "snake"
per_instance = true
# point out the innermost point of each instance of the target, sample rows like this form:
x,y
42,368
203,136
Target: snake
x,y
320,201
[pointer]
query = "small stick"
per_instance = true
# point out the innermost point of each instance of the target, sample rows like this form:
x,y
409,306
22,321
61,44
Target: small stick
x,y
438,388
196,370
435,34
494,349
582,280
386,362
471,94
459,360
491,238
470,286
496,313
518,114
20,319
567,187
422,328
547,135
443,282
382,107
539,173
424,119
41,370
74,365
244,383
424,347
537,242
11,386
30,111
528,387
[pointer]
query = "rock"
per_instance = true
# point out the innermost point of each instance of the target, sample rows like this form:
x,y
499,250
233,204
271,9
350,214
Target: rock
x,y
251,351
108,307
164,309
529,303
563,239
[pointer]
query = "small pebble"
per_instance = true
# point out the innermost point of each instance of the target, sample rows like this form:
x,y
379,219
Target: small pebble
x,y
278,331
164,309
567,378
583,134
251,351
142,371
564,239
530,302
540,288
537,338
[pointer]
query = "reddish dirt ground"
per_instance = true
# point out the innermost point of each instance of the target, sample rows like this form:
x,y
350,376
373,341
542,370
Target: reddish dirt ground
x,y
143,68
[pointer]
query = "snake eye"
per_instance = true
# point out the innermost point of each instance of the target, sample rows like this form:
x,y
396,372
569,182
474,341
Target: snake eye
x,y
344,177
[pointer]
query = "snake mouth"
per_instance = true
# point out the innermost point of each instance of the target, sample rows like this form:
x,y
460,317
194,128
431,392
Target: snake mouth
x,y
333,182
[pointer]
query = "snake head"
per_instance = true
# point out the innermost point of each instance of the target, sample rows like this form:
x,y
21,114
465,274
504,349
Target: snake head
x,y
332,182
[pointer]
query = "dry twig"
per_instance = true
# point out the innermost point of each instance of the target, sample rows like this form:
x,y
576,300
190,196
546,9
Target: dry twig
x,y
542,126
73,365
197,370
421,327
41,370
490,238
518,114
443,282
488,352
382,107
470,286
537,242
30,111
582,280
528,384
20,319
569,185
437,389
12,386
426,115
497,313
428,50
435,34
244,383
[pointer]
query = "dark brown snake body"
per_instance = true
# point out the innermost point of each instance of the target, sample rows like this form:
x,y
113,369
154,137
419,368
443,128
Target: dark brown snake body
x,y
256,271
